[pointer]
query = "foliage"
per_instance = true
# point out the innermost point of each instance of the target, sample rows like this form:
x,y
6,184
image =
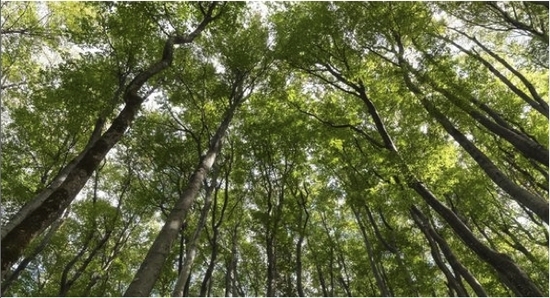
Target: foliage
x,y
308,196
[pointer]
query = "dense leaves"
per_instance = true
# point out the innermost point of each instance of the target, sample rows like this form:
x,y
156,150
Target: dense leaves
x,y
274,149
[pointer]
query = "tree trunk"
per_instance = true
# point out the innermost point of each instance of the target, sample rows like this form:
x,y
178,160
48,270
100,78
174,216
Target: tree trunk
x,y
211,264
11,277
528,147
206,282
382,287
393,249
151,267
322,280
56,182
424,226
18,238
534,203
302,202
503,264
67,283
543,109
451,258
192,246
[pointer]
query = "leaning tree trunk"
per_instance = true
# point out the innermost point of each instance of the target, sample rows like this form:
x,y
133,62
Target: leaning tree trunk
x,y
424,226
192,247
380,282
504,265
533,202
150,269
54,184
452,259
19,237
526,146
10,278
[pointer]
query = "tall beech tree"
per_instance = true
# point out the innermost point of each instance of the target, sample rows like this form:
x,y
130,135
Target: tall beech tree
x,y
36,220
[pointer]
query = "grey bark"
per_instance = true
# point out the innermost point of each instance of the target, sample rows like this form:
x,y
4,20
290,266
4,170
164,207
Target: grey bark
x,y
503,264
11,277
393,249
215,225
18,238
192,247
533,202
543,109
382,287
150,269
528,147
56,182
302,202
522,78
447,252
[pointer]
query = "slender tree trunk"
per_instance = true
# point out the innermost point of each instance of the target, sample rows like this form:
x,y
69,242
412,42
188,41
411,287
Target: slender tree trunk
x,y
231,276
423,225
72,262
66,283
192,246
394,250
211,264
18,238
322,280
504,265
270,251
11,277
302,202
56,182
534,203
206,282
344,281
151,267
528,147
521,77
382,287
524,286
450,256
501,262
543,109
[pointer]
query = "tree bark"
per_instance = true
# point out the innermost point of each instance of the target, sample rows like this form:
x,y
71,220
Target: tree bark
x,y
542,109
11,277
18,238
151,267
534,203
206,282
393,249
56,182
192,247
503,264
429,231
522,78
523,285
528,147
302,202
382,287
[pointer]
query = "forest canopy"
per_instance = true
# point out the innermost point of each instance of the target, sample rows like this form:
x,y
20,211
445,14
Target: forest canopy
x,y
274,148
